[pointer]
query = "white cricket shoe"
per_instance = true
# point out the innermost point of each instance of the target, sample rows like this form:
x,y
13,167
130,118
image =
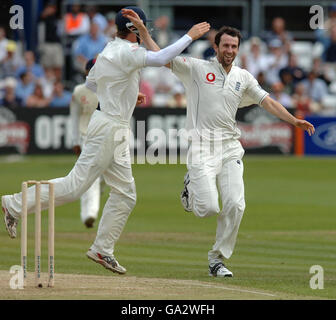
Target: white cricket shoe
x,y
106,261
219,270
185,194
10,221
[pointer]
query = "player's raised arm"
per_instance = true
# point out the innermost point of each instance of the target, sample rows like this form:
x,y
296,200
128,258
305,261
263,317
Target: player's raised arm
x,y
197,31
164,56
281,112
156,57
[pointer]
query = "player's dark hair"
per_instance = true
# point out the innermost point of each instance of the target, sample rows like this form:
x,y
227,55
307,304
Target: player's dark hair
x,y
123,33
233,32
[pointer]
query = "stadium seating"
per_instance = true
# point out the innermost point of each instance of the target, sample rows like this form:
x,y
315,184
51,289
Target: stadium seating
x,y
304,52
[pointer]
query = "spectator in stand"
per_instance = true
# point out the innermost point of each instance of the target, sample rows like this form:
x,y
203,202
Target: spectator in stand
x,y
96,17
209,52
323,35
3,44
51,49
262,82
12,62
255,61
31,66
332,17
25,87
330,49
302,102
163,82
293,69
37,98
147,89
111,29
163,36
61,97
152,75
48,82
315,87
287,81
323,71
278,93
76,22
178,99
10,100
291,74
279,32
276,60
89,45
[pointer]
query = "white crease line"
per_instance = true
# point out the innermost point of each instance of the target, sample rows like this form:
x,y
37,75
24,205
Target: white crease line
x,y
233,289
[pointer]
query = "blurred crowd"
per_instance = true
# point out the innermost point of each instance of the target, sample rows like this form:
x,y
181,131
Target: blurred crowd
x,y
299,74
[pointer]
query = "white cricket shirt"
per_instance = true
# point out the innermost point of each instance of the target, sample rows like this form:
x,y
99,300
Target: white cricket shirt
x,y
213,96
116,74
83,103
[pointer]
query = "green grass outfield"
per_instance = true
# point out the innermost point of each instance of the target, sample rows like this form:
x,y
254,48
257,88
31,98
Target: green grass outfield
x,y
288,226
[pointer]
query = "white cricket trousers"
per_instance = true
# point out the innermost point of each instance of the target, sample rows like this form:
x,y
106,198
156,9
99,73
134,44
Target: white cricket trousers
x,y
106,152
90,199
215,170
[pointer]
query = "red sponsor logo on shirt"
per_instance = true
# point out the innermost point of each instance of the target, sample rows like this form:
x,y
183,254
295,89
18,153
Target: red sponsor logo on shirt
x,y
210,77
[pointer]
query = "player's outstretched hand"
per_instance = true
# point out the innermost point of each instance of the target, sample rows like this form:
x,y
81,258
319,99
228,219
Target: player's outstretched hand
x,y
133,17
198,30
305,125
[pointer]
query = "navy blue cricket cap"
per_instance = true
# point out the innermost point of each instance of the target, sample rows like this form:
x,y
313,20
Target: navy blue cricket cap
x,y
124,23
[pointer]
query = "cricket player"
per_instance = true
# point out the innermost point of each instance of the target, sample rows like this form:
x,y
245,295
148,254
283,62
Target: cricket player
x,y
115,77
83,103
215,90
